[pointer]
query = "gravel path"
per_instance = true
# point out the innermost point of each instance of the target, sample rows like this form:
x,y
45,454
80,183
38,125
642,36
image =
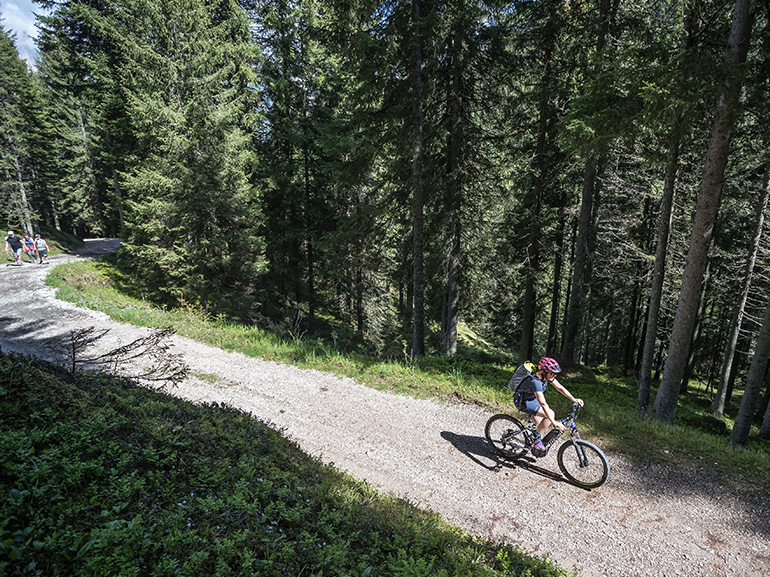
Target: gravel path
x,y
645,521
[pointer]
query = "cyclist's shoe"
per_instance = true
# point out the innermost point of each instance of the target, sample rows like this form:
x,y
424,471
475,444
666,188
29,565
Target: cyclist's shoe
x,y
538,449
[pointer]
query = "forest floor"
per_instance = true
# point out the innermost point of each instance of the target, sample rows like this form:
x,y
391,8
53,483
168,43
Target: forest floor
x,y
649,519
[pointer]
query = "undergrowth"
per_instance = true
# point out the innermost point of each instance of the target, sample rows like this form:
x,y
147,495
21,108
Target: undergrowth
x,y
102,477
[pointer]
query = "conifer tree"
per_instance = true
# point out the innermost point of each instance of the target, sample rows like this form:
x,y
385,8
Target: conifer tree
x,y
15,130
705,215
194,215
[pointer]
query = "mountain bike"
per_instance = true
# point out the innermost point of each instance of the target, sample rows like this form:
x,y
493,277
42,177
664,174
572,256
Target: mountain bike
x,y
581,462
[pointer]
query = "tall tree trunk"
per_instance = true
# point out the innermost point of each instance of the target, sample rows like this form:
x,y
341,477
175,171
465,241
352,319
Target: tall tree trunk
x,y
705,213
309,223
556,294
568,289
718,406
541,171
454,184
25,212
632,330
119,196
695,343
360,301
692,26
116,185
764,430
745,416
580,274
418,198
735,369
588,210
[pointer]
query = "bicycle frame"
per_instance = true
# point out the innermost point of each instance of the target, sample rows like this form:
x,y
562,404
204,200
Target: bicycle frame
x,y
568,422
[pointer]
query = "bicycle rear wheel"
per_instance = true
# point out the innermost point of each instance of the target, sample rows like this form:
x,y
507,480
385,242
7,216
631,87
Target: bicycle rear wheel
x,y
583,463
505,435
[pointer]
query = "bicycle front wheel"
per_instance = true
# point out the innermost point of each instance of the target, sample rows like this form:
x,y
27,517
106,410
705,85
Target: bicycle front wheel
x,y
505,435
583,463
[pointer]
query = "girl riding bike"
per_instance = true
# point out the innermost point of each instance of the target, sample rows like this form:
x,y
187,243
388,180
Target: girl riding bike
x,y
530,397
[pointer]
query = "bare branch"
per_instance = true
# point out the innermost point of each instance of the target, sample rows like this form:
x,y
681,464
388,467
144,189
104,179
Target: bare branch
x,y
146,360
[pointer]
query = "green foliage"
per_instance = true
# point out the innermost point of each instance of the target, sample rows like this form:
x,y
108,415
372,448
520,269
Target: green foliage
x,y
102,477
478,374
194,214
257,158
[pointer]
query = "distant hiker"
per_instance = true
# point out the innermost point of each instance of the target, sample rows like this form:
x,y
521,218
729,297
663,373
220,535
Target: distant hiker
x,y
29,249
42,249
16,245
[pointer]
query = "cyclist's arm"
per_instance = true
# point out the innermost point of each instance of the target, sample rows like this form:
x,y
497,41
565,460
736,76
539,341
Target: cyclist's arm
x,y
563,390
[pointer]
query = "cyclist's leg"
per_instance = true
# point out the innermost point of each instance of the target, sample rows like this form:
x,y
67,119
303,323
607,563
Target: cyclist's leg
x,y
535,411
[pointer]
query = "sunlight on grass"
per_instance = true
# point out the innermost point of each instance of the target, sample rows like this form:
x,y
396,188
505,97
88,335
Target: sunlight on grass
x,y
610,417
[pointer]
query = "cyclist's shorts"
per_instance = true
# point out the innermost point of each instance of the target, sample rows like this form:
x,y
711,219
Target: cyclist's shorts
x,y
530,407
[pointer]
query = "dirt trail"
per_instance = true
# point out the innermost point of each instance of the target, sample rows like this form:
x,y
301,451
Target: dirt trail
x,y
645,521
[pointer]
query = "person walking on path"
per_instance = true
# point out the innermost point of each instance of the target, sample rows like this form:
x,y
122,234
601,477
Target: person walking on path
x,y
29,249
42,249
16,245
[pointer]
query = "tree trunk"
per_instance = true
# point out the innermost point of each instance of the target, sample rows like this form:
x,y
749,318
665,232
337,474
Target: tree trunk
x,y
579,280
745,417
764,431
692,26
119,195
632,331
659,269
735,369
718,406
689,369
705,213
588,211
454,185
418,199
309,223
24,210
359,301
556,294
541,170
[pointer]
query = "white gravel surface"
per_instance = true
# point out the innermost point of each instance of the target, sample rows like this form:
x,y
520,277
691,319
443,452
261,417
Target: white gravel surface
x,y
645,521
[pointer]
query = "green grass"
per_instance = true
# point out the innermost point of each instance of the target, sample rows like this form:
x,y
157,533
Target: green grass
x,y
477,375
102,477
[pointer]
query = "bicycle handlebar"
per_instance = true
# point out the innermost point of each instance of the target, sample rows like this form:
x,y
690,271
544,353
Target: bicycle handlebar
x,y
573,415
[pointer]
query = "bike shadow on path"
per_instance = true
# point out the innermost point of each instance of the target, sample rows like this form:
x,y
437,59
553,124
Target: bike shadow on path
x,y
477,450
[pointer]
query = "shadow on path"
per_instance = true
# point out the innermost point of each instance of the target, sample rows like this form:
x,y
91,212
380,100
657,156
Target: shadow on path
x,y
477,448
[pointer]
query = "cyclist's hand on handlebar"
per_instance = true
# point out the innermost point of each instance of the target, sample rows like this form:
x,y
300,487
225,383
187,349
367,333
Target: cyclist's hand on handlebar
x,y
579,402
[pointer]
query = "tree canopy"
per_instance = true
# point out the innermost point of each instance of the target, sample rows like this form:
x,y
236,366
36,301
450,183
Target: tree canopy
x,y
384,173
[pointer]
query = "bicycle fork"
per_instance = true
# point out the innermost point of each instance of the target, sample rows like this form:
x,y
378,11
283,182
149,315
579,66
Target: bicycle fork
x,y
581,454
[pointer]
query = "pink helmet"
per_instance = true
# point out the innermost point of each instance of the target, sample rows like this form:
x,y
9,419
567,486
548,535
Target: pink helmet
x,y
549,364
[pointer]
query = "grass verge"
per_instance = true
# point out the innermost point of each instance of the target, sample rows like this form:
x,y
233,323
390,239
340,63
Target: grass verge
x,y
610,417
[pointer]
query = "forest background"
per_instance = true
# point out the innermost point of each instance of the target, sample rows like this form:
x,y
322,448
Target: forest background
x,y
583,179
